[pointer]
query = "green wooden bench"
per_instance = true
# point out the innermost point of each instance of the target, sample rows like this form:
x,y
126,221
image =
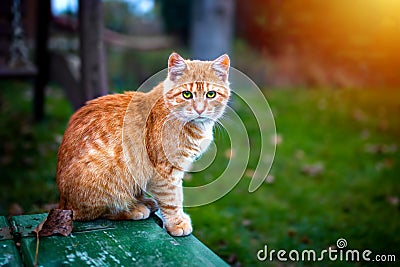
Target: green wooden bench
x,y
101,243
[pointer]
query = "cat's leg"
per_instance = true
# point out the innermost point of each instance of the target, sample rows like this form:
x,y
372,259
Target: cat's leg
x,y
169,195
177,222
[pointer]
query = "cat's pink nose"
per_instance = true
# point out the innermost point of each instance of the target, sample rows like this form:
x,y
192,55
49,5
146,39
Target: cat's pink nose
x,y
199,110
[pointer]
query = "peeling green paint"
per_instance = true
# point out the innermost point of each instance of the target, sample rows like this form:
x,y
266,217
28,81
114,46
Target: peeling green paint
x,y
108,243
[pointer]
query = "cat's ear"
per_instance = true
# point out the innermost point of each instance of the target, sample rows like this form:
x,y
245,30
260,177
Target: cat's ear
x,y
176,66
221,67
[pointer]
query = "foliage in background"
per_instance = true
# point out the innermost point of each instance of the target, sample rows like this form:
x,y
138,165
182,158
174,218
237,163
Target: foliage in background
x,y
324,43
176,15
304,43
117,16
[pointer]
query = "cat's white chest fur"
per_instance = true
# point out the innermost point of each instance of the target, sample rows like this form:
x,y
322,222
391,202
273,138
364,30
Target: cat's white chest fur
x,y
207,137
200,145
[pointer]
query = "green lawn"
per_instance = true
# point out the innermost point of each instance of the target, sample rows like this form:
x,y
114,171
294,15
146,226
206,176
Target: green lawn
x,y
336,173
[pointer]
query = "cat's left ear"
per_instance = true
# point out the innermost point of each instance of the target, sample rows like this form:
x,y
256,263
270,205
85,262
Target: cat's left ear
x,y
221,67
176,66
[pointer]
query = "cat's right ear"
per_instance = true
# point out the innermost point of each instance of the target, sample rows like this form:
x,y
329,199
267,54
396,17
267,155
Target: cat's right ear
x,y
221,67
176,66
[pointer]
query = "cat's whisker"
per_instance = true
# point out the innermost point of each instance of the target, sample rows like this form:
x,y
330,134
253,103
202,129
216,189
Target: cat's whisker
x,y
227,117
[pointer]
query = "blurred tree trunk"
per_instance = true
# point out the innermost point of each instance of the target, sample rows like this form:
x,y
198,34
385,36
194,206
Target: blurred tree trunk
x,y
92,52
211,28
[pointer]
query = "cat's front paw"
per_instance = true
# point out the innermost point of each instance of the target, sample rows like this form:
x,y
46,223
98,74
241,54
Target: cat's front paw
x,y
140,212
181,226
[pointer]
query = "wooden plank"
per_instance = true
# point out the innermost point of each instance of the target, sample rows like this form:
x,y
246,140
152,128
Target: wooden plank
x,y
17,73
113,243
24,225
9,255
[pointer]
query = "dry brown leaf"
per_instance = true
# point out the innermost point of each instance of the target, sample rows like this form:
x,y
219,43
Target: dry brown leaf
x,y
39,227
269,179
380,148
37,231
299,154
393,200
246,222
15,209
276,139
57,222
313,169
249,173
359,115
229,153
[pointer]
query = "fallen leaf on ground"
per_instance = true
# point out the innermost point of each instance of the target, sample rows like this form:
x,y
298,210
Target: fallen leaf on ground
x,y
389,149
187,177
393,200
380,148
57,222
305,240
229,153
249,173
246,222
232,258
269,179
359,115
313,169
276,139
299,154
291,233
384,164
364,134
15,209
383,125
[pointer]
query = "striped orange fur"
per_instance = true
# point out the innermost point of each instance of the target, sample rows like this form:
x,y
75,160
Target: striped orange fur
x,y
119,148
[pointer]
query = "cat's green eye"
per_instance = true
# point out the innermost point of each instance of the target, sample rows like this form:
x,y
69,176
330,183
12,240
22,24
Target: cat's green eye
x,y
187,94
211,94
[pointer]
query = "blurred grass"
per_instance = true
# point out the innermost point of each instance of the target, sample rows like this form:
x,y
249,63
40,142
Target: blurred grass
x,y
28,151
336,172
350,138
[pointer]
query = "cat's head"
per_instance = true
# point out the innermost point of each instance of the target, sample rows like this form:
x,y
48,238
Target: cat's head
x,y
197,90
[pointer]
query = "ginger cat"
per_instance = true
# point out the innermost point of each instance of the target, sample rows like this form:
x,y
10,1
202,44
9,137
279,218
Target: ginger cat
x,y
119,147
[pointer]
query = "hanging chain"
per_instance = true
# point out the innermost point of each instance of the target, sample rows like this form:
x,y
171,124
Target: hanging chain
x,y
18,49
